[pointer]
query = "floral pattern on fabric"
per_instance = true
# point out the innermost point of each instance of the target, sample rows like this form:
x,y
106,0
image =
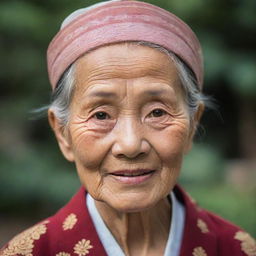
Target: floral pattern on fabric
x,y
199,251
202,226
23,243
63,254
82,247
69,222
248,244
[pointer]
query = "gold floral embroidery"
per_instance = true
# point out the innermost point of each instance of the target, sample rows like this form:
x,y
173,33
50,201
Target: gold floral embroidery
x,y
248,244
199,251
82,247
202,226
24,242
63,254
69,222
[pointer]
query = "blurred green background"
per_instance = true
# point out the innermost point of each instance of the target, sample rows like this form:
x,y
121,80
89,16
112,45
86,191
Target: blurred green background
x,y
220,171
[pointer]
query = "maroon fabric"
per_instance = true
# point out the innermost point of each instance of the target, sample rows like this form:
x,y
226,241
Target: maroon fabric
x,y
205,234
218,239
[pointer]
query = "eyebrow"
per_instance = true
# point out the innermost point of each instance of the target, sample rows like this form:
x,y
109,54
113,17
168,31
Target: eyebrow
x,y
156,92
102,94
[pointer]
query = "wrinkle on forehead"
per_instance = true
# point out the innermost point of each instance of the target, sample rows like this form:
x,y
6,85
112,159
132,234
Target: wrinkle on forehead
x,y
124,61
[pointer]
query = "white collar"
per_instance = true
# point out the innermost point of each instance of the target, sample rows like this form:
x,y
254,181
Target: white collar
x,y
112,247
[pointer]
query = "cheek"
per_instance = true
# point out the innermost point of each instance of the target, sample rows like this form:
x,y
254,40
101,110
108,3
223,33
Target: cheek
x,y
89,148
89,152
171,142
170,145
91,180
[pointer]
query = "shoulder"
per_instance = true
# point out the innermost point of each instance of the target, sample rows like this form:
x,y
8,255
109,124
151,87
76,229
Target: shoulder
x,y
25,242
231,238
66,233
207,234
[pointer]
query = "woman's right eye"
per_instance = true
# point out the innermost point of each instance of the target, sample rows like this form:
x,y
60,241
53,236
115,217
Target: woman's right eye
x,y
101,115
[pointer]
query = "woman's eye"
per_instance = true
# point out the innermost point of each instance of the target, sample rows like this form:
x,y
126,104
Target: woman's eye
x,y
157,113
101,115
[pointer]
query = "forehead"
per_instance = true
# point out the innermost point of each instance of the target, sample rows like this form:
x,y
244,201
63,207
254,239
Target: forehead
x,y
125,61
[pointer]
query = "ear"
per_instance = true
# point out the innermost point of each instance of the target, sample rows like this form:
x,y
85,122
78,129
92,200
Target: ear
x,y
194,125
61,136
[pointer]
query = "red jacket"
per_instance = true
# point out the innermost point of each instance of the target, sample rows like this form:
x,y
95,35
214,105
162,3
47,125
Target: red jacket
x,y
71,232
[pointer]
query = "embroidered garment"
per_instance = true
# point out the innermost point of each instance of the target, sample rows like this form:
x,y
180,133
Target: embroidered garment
x,y
71,232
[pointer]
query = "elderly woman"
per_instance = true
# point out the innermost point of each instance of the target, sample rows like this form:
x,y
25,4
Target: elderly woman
x,y
127,79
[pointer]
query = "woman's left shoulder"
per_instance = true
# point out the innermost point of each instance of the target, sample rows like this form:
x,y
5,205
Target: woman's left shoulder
x,y
207,234
230,237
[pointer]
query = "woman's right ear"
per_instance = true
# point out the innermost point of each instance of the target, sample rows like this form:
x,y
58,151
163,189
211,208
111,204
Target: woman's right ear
x,y
61,136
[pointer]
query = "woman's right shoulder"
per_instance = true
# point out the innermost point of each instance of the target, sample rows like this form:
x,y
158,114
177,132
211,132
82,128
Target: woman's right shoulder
x,y
69,232
58,236
31,240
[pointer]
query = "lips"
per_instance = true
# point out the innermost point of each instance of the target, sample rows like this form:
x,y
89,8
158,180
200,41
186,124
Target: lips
x,y
132,173
132,177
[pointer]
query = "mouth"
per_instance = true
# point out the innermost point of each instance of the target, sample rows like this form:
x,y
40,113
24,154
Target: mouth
x,y
133,177
132,173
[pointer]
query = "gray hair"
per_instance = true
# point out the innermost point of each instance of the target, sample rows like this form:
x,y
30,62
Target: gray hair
x,y
62,95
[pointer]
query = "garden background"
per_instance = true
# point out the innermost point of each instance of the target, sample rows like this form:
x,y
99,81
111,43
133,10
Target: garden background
x,y
220,172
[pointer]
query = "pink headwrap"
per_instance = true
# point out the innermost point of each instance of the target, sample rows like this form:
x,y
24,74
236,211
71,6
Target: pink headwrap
x,y
119,21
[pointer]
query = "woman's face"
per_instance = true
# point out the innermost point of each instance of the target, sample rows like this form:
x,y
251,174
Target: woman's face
x,y
129,126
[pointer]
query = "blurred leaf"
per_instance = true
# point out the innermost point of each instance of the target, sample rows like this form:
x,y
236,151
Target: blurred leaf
x,y
215,56
202,164
227,202
31,175
19,17
242,75
245,13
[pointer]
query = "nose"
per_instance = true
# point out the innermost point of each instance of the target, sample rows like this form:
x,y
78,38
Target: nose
x,y
129,139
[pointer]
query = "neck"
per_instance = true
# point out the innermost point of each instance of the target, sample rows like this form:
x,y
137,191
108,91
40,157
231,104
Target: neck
x,y
139,233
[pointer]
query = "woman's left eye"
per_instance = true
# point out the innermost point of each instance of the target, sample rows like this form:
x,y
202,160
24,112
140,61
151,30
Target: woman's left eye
x,y
157,113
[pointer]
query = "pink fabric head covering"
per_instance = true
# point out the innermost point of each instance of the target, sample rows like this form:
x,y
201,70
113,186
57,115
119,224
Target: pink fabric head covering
x,y
122,21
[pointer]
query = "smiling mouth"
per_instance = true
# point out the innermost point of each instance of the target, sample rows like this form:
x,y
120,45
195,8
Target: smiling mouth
x,y
132,173
132,177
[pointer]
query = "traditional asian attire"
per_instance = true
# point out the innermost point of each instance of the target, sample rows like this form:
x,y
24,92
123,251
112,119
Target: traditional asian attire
x,y
71,231
74,230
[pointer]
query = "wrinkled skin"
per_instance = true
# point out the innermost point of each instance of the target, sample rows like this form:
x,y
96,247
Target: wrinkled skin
x,y
128,112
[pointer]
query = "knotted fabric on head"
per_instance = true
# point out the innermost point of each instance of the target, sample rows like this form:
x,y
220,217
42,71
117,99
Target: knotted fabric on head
x,y
122,21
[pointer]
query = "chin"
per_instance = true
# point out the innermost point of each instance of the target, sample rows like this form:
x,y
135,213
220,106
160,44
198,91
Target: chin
x,y
133,203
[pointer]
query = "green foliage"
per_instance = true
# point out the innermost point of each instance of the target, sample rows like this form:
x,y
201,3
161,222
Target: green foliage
x,y
202,164
229,203
29,178
242,75
22,18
